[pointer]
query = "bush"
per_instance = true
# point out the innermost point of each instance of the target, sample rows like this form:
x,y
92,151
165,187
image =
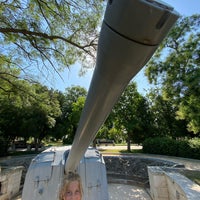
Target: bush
x,y
3,146
67,141
167,146
160,145
189,148
195,147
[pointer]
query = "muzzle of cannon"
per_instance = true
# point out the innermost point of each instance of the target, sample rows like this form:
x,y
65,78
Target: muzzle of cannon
x,y
131,32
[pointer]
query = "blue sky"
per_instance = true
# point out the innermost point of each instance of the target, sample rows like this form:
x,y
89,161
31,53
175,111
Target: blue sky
x,y
71,76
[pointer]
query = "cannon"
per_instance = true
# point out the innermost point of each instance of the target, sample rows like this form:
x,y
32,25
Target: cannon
x,y
131,32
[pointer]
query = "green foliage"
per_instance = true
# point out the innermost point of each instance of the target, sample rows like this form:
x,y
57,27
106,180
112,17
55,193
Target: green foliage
x,y
176,68
164,114
67,141
116,135
192,175
49,34
160,145
103,132
132,114
27,110
74,99
189,148
10,119
77,108
3,146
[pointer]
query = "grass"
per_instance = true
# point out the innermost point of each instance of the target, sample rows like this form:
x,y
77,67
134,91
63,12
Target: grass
x,y
21,153
54,144
119,151
115,151
192,175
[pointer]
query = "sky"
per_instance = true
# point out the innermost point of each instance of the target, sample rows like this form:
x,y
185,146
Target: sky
x,y
71,76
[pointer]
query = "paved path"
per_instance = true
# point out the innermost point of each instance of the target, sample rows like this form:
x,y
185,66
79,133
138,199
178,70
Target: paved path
x,y
121,192
126,192
192,164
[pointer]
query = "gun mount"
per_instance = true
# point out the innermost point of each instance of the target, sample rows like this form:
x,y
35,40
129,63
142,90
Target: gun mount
x,y
131,32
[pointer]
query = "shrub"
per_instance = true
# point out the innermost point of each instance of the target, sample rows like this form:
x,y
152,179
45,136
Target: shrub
x,y
167,146
160,145
195,147
3,146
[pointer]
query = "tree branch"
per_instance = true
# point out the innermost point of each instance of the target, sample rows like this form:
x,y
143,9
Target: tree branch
x,y
44,35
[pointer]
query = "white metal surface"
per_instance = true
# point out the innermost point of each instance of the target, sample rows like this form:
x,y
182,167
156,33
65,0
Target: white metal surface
x,y
93,174
46,172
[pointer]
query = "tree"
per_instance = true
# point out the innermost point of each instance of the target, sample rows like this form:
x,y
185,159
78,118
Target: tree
x,y
133,115
10,120
103,132
40,35
41,114
28,112
71,110
164,117
74,117
59,130
176,67
14,94
10,84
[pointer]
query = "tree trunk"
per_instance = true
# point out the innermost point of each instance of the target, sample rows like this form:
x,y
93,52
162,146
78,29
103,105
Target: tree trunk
x,y
36,144
94,143
128,143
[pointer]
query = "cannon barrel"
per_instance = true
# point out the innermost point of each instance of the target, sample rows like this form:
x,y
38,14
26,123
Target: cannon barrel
x,y
131,32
